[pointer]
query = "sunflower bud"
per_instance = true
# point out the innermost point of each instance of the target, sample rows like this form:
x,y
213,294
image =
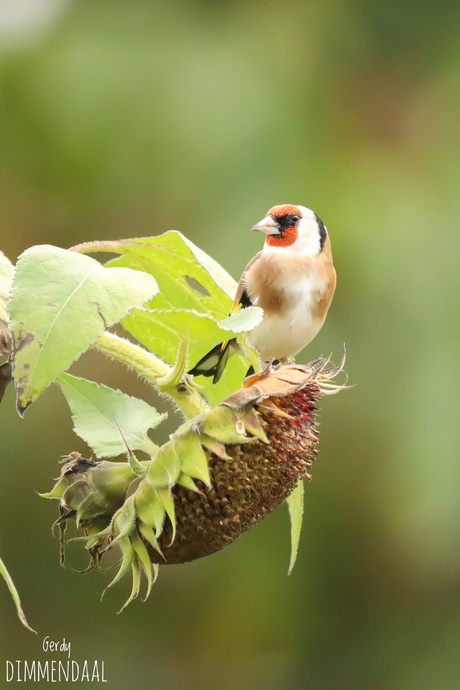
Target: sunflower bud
x,y
89,489
217,476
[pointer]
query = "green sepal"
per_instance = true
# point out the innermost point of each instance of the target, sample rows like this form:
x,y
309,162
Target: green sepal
x,y
194,461
57,491
222,423
136,576
168,503
149,535
92,506
136,466
111,478
165,468
124,521
143,558
214,446
127,554
252,424
96,531
187,482
75,494
149,506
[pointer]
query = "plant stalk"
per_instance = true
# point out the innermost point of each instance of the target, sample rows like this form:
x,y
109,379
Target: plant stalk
x,y
185,394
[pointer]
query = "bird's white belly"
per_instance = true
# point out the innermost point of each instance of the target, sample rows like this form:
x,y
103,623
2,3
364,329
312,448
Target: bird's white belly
x,y
285,335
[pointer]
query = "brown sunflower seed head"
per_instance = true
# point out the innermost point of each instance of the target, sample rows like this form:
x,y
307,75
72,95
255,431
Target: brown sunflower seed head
x,y
248,484
216,477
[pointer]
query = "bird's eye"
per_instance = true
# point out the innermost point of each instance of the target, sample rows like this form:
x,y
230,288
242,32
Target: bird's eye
x,y
295,218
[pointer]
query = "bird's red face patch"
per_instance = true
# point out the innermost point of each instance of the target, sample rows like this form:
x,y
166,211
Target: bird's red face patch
x,y
285,240
288,217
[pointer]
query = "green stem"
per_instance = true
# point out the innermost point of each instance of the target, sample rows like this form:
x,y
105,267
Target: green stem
x,y
153,369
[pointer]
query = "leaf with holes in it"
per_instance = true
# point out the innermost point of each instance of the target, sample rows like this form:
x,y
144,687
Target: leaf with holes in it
x,y
60,303
295,505
190,281
107,419
187,277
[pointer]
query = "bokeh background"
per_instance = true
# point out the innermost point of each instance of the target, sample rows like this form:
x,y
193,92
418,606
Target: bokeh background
x,y
122,119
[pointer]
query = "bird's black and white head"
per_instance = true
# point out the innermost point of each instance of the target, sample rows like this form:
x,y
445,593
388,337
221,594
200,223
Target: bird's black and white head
x,y
293,226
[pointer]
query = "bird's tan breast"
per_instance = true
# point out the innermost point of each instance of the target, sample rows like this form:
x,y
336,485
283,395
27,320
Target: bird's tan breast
x,y
279,282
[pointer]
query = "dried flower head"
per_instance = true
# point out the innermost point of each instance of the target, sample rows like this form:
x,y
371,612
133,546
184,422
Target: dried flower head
x,y
218,475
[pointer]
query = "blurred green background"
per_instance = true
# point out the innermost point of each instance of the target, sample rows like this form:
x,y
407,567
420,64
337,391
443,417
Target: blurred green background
x,y
122,119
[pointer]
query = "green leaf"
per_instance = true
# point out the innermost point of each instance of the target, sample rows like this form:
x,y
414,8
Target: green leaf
x,y
161,331
103,417
194,286
243,321
231,381
188,278
190,281
14,593
295,505
61,302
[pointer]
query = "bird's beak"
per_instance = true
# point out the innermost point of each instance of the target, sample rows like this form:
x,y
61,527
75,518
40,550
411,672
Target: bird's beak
x,y
268,226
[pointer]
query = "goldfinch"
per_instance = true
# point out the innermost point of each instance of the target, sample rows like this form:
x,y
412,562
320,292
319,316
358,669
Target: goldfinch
x,y
292,279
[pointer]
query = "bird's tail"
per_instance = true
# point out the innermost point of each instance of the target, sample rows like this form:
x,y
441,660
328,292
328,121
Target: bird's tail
x,y
214,362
